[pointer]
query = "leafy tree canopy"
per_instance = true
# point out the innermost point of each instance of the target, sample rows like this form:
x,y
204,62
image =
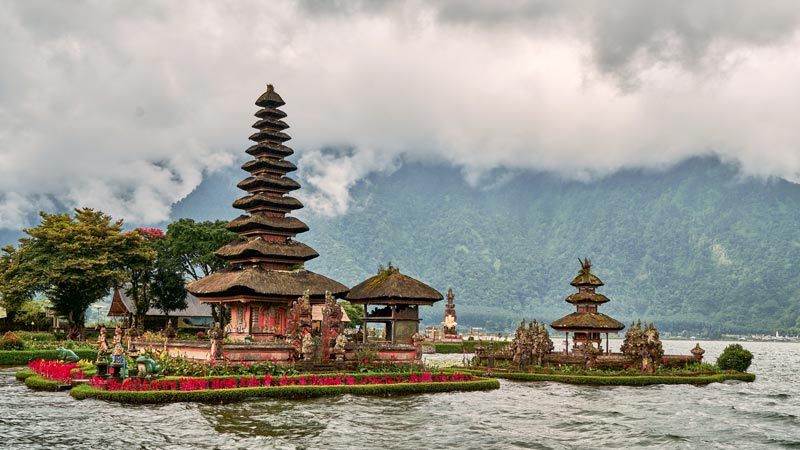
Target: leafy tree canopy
x,y
193,245
73,261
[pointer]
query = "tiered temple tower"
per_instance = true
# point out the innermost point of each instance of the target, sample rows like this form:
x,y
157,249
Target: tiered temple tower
x,y
449,323
586,323
265,271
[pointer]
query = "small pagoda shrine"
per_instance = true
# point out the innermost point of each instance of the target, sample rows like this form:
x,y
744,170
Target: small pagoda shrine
x,y
586,324
449,323
265,273
393,299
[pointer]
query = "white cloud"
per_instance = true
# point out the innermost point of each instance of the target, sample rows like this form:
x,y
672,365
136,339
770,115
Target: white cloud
x,y
124,106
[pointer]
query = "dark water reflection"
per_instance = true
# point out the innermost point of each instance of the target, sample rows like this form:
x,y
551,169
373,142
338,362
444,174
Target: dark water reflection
x,y
764,414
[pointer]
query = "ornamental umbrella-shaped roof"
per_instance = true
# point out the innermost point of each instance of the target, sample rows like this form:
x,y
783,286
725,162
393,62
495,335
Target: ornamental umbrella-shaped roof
x,y
587,321
585,277
264,282
390,287
258,247
586,297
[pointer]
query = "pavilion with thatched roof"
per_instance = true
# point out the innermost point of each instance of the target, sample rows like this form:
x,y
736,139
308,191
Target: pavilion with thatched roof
x,y
393,299
265,272
586,323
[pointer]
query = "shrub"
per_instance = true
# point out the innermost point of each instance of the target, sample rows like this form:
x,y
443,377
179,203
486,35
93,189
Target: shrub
x,y
735,357
10,341
21,357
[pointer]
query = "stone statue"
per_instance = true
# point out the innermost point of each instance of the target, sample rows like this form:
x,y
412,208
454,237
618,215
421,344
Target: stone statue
x,y
118,353
698,352
216,335
170,332
65,354
147,366
308,347
102,343
339,348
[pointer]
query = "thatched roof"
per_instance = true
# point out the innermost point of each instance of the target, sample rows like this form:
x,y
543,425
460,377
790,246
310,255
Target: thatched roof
x,y
270,98
268,283
263,222
268,201
587,321
270,122
267,148
585,277
392,287
259,248
278,165
264,181
122,304
586,297
268,134
270,111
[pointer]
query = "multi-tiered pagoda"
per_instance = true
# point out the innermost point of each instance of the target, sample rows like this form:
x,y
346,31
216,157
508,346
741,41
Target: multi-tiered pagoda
x,y
586,323
265,271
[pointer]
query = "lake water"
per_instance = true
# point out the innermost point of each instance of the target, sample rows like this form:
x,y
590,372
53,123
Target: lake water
x,y
763,414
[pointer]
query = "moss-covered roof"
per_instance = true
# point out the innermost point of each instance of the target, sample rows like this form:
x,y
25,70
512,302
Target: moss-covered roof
x,y
262,163
267,148
392,287
233,281
259,248
266,201
263,222
586,297
270,98
264,181
585,277
587,321
270,122
268,134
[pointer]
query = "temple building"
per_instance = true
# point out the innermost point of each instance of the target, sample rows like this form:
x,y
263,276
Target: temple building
x,y
265,272
586,324
449,323
391,300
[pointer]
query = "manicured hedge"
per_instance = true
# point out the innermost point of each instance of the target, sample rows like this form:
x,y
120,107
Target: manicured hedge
x,y
468,346
283,392
38,383
623,380
23,374
22,357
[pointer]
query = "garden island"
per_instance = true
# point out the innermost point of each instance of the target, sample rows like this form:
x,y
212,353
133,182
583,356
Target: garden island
x,y
280,330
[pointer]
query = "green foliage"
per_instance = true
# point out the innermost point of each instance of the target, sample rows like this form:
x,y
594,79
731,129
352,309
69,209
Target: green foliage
x,y
73,261
735,357
22,374
354,312
180,366
467,346
278,392
508,249
38,383
11,341
193,244
20,357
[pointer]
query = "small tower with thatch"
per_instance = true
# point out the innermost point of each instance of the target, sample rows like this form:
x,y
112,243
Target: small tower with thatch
x,y
586,323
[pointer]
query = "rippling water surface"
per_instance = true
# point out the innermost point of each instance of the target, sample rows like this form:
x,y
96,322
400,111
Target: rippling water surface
x,y
763,414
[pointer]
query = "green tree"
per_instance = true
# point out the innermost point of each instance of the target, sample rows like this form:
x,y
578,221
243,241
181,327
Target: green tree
x,y
193,246
154,275
73,261
735,357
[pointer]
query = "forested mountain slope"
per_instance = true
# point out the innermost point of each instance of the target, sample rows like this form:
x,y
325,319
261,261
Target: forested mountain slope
x,y
697,247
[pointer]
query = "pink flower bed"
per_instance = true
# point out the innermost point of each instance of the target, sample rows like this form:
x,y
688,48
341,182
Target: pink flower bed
x,y
194,384
55,370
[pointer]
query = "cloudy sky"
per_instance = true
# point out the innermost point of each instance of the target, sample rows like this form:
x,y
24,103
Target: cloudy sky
x,y
126,105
